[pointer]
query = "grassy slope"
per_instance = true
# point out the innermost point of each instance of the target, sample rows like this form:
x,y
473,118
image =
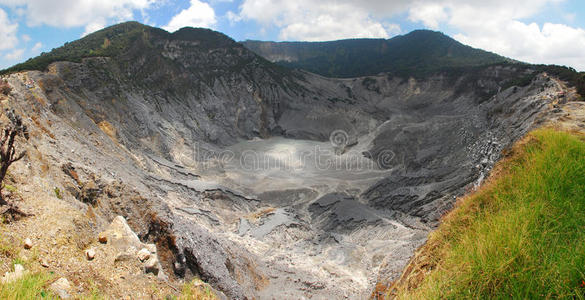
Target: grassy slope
x,y
521,236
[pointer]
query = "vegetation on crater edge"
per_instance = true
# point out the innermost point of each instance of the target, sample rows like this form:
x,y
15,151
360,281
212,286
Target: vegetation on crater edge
x,y
521,236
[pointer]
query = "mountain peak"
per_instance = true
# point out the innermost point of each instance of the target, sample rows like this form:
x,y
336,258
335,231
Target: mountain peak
x,y
419,52
118,39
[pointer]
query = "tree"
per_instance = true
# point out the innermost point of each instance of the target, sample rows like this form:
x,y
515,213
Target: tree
x,y
8,154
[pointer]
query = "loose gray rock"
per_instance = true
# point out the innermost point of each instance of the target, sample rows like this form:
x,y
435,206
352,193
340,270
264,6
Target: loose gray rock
x,y
103,238
152,265
28,243
90,254
44,263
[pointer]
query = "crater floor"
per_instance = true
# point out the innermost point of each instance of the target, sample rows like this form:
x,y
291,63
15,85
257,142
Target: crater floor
x,y
310,223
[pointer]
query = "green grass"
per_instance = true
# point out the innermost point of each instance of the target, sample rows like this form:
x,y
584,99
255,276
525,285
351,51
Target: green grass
x,y
30,286
33,285
58,193
10,188
521,236
195,289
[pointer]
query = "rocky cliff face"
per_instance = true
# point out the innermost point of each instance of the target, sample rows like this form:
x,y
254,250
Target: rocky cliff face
x,y
166,125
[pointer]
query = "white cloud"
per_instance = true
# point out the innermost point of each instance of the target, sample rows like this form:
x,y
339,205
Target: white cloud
x,y
232,17
499,26
73,13
14,55
327,26
94,26
392,29
199,14
8,39
314,20
37,47
26,38
547,44
429,14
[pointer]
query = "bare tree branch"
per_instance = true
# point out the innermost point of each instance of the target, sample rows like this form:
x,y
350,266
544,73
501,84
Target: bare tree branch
x,y
12,130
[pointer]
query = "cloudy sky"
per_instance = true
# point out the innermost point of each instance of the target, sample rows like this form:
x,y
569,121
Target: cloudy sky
x,y
537,31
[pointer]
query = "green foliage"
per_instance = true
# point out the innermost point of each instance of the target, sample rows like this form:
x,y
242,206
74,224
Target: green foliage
x,y
19,261
522,236
120,40
58,193
120,37
417,54
520,81
10,188
196,289
212,39
567,74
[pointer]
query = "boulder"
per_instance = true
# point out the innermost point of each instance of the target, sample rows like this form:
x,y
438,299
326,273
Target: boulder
x,y
61,287
10,277
151,248
121,236
126,242
125,256
143,254
152,265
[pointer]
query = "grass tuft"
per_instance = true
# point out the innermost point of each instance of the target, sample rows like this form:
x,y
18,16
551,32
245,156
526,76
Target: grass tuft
x,y
30,286
197,289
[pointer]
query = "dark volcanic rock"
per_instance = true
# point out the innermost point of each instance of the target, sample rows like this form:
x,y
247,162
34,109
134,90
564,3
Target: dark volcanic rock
x,y
338,211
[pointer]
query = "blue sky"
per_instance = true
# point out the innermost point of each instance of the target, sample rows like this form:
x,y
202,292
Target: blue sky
x,y
536,31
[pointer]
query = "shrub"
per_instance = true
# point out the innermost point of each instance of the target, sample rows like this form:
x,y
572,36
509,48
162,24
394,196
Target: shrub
x,y
5,88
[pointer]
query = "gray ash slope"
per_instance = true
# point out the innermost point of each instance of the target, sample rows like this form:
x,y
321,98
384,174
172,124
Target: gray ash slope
x,y
154,111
